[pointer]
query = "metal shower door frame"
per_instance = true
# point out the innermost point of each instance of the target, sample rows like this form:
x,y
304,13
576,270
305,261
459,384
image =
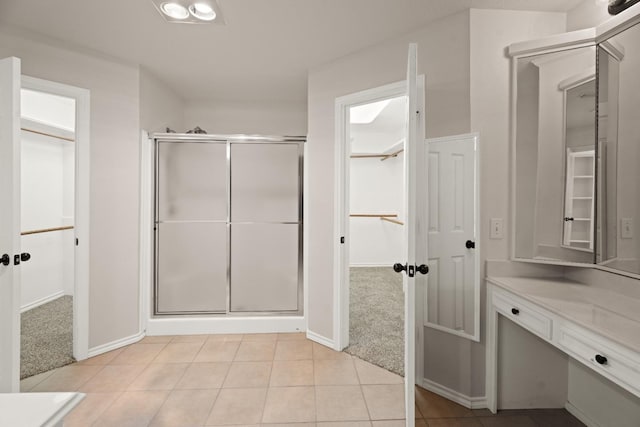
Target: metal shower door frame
x,y
228,140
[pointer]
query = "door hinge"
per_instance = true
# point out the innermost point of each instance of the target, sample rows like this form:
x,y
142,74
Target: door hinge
x,y
76,241
342,240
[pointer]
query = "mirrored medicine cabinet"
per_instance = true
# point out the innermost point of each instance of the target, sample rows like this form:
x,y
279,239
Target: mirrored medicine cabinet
x,y
577,153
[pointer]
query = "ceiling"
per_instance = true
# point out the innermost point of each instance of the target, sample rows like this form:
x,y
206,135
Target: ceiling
x,y
264,51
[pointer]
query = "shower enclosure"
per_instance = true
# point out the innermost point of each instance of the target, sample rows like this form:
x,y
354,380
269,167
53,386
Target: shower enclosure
x,y
227,225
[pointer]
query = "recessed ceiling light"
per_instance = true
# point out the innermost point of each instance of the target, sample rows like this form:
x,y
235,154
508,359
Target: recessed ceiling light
x,y
202,11
174,10
189,11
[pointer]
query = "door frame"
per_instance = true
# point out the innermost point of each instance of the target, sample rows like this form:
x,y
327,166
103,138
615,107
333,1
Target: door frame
x,y
82,206
341,283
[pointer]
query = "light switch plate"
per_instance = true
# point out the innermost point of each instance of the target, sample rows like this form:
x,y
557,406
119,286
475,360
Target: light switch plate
x,y
497,229
626,228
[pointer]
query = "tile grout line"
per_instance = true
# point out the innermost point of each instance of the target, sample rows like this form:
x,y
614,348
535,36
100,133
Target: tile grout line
x,y
213,405
366,405
266,395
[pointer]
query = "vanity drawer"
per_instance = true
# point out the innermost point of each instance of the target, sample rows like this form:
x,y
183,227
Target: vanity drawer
x,y
604,357
523,313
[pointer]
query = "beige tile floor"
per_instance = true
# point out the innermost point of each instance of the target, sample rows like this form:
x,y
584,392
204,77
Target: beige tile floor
x,y
253,379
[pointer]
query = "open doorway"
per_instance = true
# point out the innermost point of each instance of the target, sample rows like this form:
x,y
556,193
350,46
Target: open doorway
x,y
361,251
54,238
376,201
47,179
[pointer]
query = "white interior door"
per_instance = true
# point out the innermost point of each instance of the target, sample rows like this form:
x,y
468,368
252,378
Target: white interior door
x,y
453,291
9,224
414,166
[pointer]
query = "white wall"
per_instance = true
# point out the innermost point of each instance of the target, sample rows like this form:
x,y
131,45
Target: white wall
x,y
160,106
223,117
115,127
444,59
587,14
52,110
45,188
375,189
491,31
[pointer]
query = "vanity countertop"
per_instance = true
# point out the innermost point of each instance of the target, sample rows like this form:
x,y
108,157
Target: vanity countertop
x,y
36,409
611,314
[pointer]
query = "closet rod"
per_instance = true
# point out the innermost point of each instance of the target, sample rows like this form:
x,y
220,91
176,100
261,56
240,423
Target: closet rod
x,y
374,215
46,230
395,221
382,157
48,134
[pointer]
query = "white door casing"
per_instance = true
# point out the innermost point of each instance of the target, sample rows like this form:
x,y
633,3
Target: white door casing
x,y
452,296
10,224
81,205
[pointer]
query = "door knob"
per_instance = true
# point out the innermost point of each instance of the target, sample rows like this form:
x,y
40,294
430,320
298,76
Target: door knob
x,y
422,269
399,268
5,260
566,219
25,256
470,244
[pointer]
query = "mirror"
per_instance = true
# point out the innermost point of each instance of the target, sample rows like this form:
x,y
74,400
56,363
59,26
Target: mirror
x,y
556,156
619,148
577,193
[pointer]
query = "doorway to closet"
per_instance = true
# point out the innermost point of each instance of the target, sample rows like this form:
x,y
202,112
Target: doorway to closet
x,y
47,140
377,131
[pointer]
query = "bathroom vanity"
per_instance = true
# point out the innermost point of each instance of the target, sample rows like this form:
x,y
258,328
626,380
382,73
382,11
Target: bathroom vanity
x,y
594,325
563,317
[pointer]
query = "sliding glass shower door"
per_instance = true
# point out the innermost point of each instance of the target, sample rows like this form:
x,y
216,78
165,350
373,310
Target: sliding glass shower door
x,y
228,225
192,227
265,220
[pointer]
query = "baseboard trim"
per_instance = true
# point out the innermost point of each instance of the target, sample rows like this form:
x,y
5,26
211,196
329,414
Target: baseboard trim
x,y
41,301
321,340
584,418
455,396
224,325
113,345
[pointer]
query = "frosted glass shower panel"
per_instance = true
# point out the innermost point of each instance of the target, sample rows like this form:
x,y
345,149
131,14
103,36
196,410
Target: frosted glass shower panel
x,y
265,182
192,181
264,267
192,268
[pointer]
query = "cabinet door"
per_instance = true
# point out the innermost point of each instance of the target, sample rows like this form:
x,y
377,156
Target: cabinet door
x,y
191,268
264,267
265,182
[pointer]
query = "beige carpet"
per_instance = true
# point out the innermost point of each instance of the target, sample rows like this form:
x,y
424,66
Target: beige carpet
x,y
376,324
46,337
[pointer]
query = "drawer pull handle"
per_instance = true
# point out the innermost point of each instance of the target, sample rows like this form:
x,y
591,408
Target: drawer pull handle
x,y
515,311
601,359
